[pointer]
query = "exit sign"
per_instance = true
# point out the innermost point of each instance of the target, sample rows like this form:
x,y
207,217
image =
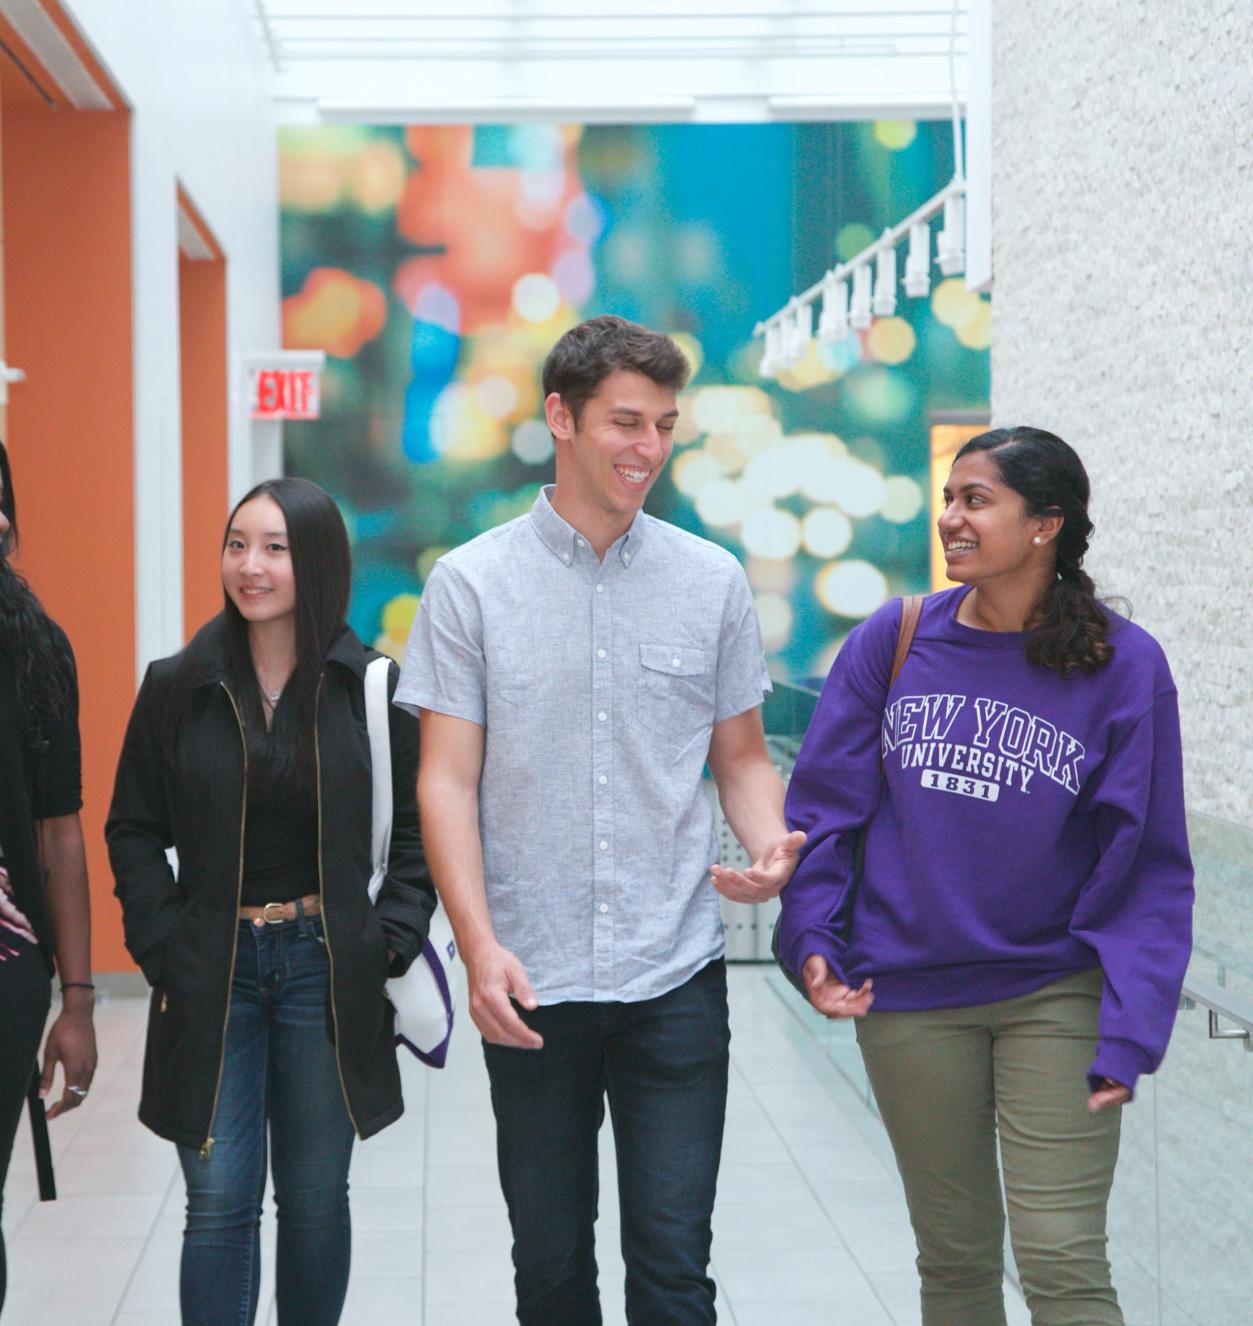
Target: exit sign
x,y
285,393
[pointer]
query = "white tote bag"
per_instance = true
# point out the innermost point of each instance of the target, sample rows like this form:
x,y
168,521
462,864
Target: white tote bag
x,y
424,998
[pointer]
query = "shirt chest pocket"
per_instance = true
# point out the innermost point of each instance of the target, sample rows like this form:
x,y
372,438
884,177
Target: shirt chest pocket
x,y
676,688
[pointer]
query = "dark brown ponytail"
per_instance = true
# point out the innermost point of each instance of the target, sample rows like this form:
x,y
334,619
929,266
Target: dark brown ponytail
x,y
1072,631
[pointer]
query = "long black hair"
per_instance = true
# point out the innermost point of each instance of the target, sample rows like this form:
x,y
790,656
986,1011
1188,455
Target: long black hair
x,y
43,669
322,569
1073,628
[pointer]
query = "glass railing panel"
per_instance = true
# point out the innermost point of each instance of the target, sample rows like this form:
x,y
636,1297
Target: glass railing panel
x,y
1223,925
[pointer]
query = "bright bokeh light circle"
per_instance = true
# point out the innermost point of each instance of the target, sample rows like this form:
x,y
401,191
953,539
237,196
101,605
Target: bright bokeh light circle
x,y
722,409
774,616
895,134
575,276
532,443
772,474
891,340
693,470
902,499
584,220
757,433
536,297
496,396
953,304
826,532
721,503
976,332
851,589
691,351
851,239
726,450
770,533
857,488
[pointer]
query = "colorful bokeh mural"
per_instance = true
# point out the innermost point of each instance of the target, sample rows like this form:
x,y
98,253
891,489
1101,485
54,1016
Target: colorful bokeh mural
x,y
437,265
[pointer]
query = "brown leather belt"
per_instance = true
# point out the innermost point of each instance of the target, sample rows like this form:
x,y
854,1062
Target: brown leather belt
x,y
275,913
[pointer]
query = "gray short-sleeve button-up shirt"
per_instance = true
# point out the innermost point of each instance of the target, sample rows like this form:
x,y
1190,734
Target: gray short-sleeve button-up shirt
x,y
597,685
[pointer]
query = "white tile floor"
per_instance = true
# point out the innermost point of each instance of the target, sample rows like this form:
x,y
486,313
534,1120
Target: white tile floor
x,y
810,1224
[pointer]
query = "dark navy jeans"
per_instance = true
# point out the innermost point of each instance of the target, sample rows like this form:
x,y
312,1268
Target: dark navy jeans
x,y
662,1064
279,1070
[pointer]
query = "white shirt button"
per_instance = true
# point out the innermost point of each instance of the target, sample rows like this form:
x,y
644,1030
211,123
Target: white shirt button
x,y
600,589
579,542
626,557
604,907
565,557
600,653
674,662
602,715
602,780
604,846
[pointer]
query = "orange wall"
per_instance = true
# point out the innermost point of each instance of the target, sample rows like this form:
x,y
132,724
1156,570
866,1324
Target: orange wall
x,y
202,344
67,310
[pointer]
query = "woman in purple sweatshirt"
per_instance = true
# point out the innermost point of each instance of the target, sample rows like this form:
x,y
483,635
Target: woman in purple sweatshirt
x,y
1022,919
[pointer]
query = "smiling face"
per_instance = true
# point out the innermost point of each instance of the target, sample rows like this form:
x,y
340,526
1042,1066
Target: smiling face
x,y
257,569
985,528
609,459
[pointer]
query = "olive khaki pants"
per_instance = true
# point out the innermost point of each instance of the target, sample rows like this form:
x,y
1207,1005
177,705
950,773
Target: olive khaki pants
x,y
949,1082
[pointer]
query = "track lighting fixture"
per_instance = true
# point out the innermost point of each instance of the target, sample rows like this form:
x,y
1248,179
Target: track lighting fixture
x,y
918,264
884,303
860,313
950,249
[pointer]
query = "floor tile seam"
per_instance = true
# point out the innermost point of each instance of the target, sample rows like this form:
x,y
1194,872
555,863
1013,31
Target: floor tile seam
x,y
143,1251
805,1177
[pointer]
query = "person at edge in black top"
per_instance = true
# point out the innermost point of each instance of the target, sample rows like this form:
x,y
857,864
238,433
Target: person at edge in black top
x,y
248,753
45,919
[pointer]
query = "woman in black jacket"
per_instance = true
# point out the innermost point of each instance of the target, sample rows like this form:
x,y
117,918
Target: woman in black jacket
x,y
45,921
248,754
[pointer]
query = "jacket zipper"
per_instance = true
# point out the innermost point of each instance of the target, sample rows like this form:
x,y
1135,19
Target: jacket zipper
x,y
326,922
207,1149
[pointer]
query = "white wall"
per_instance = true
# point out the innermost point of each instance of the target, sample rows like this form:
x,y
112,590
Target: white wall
x,y
1122,313
196,77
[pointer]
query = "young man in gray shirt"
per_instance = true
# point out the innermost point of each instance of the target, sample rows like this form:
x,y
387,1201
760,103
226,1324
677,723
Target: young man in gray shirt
x,y
574,669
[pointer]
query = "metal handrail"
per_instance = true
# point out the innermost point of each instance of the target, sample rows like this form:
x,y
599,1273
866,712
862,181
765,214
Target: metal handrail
x,y
1221,1003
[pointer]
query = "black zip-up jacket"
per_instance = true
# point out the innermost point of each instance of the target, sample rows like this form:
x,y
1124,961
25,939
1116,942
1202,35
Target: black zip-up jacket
x,y
39,779
181,929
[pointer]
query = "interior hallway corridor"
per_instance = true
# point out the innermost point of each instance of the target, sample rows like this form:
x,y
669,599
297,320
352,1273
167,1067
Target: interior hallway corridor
x,y
810,1224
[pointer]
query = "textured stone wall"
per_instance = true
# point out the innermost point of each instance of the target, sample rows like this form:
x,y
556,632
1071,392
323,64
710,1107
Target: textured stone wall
x,y
1123,320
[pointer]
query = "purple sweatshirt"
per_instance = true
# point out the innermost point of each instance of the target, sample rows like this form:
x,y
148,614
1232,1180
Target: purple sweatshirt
x,y
1025,826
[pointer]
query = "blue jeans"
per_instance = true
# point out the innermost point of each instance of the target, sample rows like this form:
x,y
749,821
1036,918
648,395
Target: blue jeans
x,y
663,1065
279,1068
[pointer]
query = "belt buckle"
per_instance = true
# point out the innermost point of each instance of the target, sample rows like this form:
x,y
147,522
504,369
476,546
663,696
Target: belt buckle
x,y
273,920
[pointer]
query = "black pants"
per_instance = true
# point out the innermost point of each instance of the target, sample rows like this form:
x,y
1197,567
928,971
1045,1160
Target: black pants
x,y
25,993
662,1063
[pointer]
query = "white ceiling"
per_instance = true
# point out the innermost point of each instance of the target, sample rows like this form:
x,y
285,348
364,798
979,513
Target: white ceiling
x,y
467,60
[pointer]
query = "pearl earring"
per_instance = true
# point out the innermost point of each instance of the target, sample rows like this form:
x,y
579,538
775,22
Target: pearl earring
x,y
1037,539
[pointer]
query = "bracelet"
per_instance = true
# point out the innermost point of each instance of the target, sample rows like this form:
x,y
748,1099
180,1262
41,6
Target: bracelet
x,y
76,985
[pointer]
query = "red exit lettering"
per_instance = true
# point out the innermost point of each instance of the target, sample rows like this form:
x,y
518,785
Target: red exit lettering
x,y
285,393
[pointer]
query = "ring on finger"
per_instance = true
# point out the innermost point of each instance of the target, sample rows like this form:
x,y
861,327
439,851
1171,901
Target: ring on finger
x,y
80,1092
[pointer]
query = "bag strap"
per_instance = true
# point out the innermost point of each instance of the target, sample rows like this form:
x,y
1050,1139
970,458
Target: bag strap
x,y
380,770
39,1135
911,613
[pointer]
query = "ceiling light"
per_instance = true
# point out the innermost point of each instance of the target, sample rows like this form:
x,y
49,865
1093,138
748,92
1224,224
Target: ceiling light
x,y
833,324
860,314
950,250
770,355
884,303
918,263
